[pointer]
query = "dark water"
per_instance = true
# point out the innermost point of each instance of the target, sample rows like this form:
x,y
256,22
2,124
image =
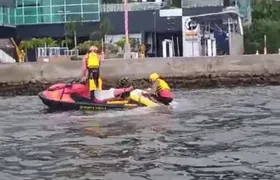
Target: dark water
x,y
209,134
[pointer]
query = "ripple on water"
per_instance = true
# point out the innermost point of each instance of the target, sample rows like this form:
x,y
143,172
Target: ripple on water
x,y
209,134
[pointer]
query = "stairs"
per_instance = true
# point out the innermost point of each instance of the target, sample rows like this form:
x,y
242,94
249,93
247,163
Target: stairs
x,y
7,51
5,58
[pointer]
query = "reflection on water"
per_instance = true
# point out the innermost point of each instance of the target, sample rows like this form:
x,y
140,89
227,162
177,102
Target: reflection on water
x,y
209,134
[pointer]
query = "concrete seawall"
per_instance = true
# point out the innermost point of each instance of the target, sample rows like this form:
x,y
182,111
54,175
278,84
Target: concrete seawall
x,y
200,72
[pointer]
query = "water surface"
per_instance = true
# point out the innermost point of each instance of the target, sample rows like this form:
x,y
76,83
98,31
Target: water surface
x,y
209,134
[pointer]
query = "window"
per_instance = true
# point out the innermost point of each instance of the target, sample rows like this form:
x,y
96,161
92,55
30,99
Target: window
x,y
19,11
91,17
30,11
58,18
73,17
29,2
12,16
73,9
44,2
57,2
90,1
5,16
90,8
30,19
19,20
44,19
58,9
19,3
73,2
44,10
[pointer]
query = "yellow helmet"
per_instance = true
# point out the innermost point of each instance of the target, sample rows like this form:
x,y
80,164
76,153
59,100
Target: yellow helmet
x,y
154,77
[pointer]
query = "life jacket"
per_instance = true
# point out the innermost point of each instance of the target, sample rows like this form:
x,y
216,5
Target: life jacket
x,y
163,88
93,60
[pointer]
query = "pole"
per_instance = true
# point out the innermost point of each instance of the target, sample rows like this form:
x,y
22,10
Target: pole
x,y
229,36
127,44
265,48
155,33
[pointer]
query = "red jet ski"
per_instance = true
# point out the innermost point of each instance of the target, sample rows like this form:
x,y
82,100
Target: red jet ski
x,y
75,96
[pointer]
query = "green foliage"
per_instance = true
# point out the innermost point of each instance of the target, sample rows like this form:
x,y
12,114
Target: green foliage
x,y
105,27
71,29
37,42
121,43
266,21
83,47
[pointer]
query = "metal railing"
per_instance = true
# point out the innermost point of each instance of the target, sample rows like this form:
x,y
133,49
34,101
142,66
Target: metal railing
x,y
201,3
137,6
55,51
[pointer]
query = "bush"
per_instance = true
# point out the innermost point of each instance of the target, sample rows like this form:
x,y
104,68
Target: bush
x,y
76,58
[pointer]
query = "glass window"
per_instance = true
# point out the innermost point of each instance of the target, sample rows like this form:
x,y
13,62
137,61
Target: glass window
x,y
12,16
30,11
57,9
44,19
58,18
19,20
44,2
19,3
5,15
5,18
30,19
90,1
44,10
90,8
73,17
57,2
73,2
29,2
73,9
19,11
91,17
1,9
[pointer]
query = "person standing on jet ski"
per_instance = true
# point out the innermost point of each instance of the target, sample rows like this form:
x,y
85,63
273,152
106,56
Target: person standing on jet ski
x,y
91,66
160,90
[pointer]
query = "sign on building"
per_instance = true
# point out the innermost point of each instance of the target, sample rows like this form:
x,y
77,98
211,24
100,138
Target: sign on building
x,y
191,37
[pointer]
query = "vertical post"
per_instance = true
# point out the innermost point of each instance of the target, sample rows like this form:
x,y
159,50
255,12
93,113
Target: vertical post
x,y
229,36
155,33
265,48
127,44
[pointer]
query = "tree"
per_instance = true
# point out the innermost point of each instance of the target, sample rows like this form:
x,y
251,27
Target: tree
x,y
72,27
66,42
83,47
266,21
105,28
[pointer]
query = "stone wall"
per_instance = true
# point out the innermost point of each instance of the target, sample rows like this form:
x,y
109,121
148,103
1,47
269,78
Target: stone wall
x,y
199,72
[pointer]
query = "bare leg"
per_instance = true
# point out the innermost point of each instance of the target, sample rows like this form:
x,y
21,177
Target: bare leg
x,y
120,91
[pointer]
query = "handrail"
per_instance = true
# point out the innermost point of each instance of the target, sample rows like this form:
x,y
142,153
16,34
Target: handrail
x,y
20,55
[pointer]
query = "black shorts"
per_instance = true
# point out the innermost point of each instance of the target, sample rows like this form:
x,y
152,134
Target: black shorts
x,y
163,100
93,73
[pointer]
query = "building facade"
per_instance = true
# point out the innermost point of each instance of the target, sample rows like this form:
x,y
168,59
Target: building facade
x,y
149,21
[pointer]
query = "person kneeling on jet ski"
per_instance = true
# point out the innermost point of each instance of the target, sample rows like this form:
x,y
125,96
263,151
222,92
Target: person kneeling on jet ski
x,y
160,90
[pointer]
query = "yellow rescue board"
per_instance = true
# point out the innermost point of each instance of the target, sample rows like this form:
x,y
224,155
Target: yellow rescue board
x,y
138,97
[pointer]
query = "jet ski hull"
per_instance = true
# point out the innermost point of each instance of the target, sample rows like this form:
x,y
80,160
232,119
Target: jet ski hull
x,y
65,106
75,96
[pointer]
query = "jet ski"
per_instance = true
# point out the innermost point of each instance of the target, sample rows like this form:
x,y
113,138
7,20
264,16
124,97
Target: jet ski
x,y
75,96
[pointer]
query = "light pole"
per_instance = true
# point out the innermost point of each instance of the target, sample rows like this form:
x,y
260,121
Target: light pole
x,y
155,32
127,44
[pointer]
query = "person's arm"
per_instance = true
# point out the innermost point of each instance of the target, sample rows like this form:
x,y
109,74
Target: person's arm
x,y
84,65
